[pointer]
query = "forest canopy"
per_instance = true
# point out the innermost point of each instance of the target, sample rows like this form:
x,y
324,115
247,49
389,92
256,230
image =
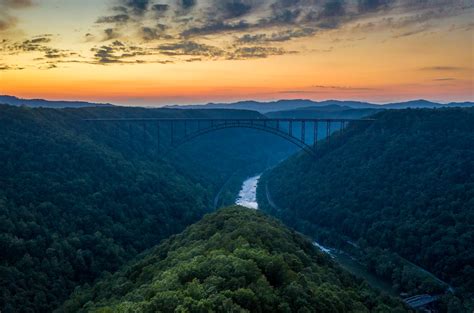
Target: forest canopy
x,y
78,199
403,183
234,260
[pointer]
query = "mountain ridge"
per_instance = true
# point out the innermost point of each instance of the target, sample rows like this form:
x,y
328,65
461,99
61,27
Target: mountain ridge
x,y
259,106
232,260
42,103
284,105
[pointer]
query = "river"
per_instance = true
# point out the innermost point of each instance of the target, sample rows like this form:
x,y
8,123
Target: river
x,y
248,198
248,193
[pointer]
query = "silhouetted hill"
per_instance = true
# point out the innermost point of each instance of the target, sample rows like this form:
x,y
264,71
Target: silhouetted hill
x,y
282,105
40,103
235,260
329,111
262,107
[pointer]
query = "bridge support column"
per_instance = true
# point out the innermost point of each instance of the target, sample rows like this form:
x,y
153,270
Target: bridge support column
x,y
303,131
144,138
315,134
158,138
328,131
172,133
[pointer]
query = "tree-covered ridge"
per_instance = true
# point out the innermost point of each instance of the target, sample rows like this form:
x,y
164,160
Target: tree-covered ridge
x,y
77,199
404,182
71,207
235,260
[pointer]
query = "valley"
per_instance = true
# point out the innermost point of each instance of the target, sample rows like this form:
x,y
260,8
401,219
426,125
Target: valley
x,y
59,211
236,156
248,198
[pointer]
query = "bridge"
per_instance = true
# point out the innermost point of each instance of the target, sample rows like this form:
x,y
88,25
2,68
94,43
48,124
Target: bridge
x,y
304,133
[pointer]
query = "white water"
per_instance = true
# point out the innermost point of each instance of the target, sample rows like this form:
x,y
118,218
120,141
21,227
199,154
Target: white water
x,y
248,194
323,248
248,198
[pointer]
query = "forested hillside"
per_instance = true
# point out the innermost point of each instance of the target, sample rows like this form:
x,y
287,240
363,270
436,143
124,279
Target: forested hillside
x,y
77,199
235,260
403,183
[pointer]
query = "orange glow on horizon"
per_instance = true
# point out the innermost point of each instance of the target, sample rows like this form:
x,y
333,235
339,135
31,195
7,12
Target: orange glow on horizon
x,y
350,62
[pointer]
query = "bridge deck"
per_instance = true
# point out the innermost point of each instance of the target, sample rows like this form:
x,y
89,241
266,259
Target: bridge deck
x,y
142,119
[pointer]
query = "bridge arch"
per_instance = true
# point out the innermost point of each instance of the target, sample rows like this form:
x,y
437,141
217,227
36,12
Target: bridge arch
x,y
201,132
303,133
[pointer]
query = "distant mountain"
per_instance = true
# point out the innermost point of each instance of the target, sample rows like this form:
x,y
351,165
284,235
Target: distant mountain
x,y
325,112
280,105
41,103
262,107
284,105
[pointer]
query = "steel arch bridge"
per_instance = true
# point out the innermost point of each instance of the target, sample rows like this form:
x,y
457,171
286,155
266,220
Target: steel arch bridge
x,y
304,133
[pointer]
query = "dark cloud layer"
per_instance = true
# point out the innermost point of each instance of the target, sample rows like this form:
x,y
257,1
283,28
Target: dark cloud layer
x,y
190,48
119,18
216,17
132,31
7,20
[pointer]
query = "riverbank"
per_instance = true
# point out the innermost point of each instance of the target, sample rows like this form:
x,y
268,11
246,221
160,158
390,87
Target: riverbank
x,y
248,198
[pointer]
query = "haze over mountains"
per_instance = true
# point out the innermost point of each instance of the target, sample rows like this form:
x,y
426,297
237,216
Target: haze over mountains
x,y
262,107
283,105
41,103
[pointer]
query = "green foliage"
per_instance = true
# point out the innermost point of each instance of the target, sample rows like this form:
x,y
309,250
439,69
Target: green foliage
x,y
235,260
78,199
403,183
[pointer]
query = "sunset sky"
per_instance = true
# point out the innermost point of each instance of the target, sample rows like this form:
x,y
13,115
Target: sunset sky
x,y
156,52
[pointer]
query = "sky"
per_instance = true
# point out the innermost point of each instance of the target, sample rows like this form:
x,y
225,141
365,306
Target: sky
x,y
161,52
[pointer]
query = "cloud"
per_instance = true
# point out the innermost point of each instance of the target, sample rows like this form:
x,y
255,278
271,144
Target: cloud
x,y
160,8
190,48
117,19
106,55
138,7
110,33
278,20
38,44
327,88
444,79
191,30
215,28
7,67
154,33
187,4
7,20
374,5
280,36
17,4
255,52
340,87
119,52
443,68
204,51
